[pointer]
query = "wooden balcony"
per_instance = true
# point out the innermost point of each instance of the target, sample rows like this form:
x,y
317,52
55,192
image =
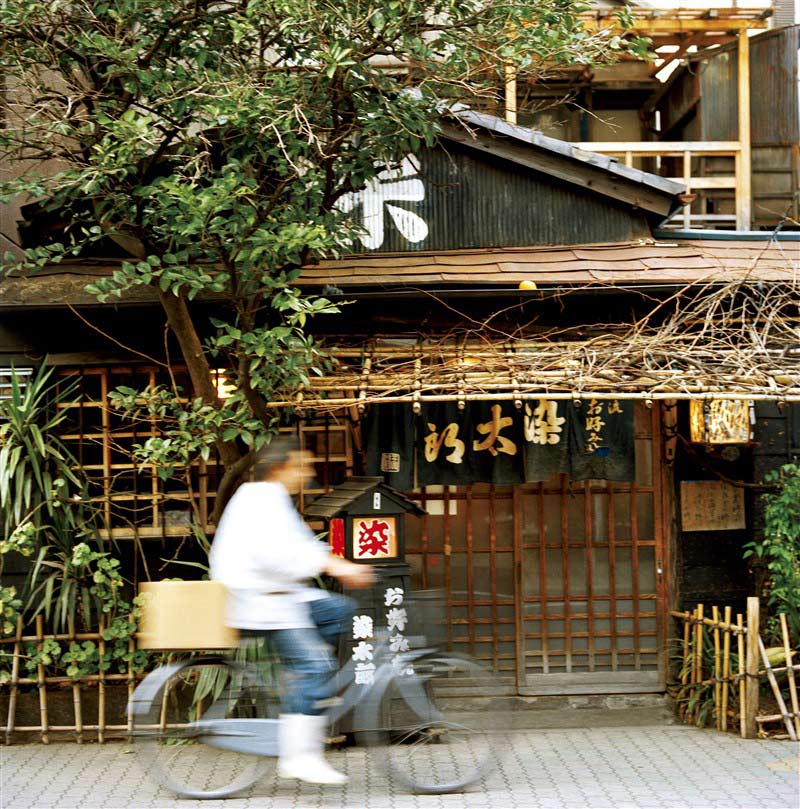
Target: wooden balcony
x,y
702,166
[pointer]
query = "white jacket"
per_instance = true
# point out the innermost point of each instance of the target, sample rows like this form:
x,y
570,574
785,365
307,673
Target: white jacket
x,y
264,554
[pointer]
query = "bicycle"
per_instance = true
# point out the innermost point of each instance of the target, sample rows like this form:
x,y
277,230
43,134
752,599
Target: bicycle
x,y
207,727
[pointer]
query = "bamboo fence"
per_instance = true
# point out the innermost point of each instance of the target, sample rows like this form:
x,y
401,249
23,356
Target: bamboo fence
x,y
716,679
48,686
709,680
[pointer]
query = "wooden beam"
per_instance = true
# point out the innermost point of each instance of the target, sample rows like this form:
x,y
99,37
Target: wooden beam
x,y
705,39
744,162
668,58
698,183
687,178
665,148
670,26
511,93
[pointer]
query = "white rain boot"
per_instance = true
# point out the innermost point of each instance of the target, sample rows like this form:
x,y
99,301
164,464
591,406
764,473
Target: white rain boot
x,y
301,745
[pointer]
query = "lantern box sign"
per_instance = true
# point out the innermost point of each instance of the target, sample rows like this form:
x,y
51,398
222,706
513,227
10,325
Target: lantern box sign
x,y
720,421
365,520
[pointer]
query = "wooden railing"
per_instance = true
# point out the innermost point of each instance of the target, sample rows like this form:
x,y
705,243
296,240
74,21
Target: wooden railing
x,y
693,157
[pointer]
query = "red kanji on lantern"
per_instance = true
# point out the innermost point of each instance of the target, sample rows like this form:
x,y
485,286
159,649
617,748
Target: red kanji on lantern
x,y
337,536
374,538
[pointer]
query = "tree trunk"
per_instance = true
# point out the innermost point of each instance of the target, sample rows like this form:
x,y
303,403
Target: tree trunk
x,y
180,321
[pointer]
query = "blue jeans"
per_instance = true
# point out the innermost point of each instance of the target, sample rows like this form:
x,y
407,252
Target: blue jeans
x,y
308,654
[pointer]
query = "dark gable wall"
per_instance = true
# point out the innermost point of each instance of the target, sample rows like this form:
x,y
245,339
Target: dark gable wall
x,y
473,200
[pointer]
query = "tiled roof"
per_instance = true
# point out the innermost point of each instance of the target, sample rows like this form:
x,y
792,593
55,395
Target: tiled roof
x,y
617,264
620,265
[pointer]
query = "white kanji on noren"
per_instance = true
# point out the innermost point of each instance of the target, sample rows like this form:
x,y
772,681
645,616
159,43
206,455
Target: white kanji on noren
x,y
398,643
362,651
397,618
362,626
365,673
393,596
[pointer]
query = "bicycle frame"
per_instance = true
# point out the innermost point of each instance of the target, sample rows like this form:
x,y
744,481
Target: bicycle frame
x,y
260,736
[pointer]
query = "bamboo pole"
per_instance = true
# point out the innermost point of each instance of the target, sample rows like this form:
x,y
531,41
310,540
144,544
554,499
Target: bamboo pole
x,y
717,669
12,697
692,665
41,682
751,669
685,667
87,678
774,717
131,679
740,650
76,695
790,674
631,393
726,670
698,653
776,691
67,728
53,636
162,717
723,625
101,687
781,669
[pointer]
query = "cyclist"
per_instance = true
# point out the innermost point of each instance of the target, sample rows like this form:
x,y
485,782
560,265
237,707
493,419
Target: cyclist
x,y
265,554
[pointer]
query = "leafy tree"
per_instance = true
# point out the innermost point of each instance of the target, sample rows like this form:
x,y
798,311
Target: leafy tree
x,y
210,141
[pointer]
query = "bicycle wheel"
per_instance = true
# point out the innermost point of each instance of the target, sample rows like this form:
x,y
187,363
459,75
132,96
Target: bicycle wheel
x,y
191,727
434,736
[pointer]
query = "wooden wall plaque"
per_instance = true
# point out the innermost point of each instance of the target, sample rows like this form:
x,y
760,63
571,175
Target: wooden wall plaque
x,y
711,505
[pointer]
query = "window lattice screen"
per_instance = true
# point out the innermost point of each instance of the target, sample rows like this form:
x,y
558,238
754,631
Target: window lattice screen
x,y
133,500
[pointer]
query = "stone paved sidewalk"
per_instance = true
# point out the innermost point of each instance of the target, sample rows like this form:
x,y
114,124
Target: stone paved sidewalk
x,y
601,768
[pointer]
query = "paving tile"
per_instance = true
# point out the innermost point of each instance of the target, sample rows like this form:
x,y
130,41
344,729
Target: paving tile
x,y
609,768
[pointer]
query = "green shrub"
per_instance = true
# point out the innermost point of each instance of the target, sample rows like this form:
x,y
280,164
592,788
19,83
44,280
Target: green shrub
x,y
778,553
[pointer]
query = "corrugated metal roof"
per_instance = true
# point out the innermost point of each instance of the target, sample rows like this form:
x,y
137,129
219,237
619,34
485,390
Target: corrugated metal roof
x,y
533,137
656,263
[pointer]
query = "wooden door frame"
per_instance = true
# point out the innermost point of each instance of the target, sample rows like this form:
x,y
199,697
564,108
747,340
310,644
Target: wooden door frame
x,y
664,537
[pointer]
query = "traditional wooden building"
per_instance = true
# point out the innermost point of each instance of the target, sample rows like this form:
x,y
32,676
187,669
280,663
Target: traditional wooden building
x,y
494,304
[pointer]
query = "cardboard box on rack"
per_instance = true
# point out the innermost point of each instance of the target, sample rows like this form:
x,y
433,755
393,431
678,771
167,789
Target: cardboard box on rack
x,y
184,615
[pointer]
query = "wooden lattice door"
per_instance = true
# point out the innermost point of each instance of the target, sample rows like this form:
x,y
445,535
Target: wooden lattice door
x,y
590,582
556,585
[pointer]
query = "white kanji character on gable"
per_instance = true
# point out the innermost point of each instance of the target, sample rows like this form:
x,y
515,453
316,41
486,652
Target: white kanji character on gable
x,y
401,184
